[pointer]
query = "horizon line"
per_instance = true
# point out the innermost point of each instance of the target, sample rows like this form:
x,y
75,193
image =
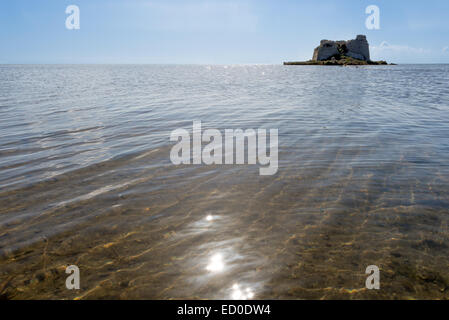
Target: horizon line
x,y
167,63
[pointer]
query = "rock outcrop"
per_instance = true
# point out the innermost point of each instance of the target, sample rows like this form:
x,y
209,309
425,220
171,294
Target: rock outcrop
x,y
341,53
357,49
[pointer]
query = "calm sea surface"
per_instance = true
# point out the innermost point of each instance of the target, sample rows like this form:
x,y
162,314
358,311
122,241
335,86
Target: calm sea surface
x,y
86,180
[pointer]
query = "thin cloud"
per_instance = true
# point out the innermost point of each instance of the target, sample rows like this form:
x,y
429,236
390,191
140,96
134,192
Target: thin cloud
x,y
202,15
385,47
400,53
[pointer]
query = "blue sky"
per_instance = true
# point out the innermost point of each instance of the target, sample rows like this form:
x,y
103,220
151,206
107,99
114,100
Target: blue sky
x,y
223,32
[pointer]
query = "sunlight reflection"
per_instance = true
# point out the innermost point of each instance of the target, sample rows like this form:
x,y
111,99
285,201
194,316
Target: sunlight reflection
x,y
239,294
216,263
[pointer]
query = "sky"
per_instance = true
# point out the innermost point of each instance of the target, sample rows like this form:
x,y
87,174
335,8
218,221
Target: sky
x,y
217,31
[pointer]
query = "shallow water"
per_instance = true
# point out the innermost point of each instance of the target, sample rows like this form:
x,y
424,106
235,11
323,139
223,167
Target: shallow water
x,y
86,179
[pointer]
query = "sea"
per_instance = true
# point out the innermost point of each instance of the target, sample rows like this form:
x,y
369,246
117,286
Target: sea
x,y
86,179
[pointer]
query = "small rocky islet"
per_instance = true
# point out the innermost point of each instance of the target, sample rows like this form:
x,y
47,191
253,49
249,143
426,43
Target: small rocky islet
x,y
341,53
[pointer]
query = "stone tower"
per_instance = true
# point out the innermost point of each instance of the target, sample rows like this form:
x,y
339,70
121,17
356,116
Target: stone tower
x,y
357,49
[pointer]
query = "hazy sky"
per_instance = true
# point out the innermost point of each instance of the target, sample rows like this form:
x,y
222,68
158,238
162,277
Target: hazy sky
x,y
225,32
